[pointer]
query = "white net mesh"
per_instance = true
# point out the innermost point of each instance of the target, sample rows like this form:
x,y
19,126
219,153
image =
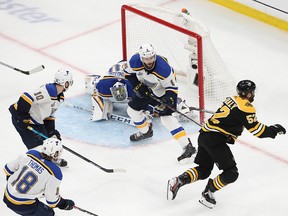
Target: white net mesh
x,y
173,44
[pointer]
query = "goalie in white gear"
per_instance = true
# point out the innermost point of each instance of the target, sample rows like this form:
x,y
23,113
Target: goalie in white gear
x,y
33,175
106,90
114,88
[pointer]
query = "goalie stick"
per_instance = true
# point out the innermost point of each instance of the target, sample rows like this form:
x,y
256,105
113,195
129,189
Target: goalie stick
x,y
113,116
79,155
32,71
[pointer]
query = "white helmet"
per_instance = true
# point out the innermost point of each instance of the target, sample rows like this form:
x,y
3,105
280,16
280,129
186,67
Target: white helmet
x,y
119,91
53,148
146,51
64,78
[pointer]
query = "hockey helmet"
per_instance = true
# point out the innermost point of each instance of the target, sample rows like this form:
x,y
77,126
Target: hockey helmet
x,y
246,89
53,148
119,91
64,78
147,55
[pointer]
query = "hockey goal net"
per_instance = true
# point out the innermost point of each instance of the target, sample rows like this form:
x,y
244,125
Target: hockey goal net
x,y
186,43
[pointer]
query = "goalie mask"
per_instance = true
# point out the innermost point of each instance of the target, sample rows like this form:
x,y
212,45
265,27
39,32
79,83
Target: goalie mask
x,y
119,91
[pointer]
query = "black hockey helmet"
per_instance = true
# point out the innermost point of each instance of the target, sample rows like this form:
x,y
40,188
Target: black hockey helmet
x,y
244,87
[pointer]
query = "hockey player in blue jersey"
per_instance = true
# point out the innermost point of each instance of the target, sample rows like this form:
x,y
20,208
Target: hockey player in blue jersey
x,y
114,88
149,74
106,90
35,175
37,109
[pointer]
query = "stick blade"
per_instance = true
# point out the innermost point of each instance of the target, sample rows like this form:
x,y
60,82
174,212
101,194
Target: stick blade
x,y
37,69
120,170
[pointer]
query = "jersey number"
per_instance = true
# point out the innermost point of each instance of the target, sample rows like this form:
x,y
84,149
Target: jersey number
x,y
39,95
25,181
224,113
251,118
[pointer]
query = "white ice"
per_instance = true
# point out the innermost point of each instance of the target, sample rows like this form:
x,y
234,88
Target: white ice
x,y
84,36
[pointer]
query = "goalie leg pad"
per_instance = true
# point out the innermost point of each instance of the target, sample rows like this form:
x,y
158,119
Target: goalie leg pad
x,y
101,108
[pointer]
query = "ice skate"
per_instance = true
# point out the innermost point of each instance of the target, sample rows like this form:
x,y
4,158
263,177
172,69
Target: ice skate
x,y
208,198
189,150
141,136
172,188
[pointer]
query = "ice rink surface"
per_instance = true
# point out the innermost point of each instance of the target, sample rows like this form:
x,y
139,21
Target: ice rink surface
x,y
85,37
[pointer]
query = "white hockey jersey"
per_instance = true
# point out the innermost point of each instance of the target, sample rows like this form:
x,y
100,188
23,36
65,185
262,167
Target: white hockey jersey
x,y
44,102
32,176
160,80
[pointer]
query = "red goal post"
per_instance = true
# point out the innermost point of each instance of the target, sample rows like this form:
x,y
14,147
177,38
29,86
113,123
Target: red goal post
x,y
186,43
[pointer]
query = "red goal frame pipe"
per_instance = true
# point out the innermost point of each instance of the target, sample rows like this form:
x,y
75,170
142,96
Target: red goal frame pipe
x,y
177,28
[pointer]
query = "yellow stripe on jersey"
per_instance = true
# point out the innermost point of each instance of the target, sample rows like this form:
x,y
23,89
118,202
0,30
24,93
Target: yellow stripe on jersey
x,y
42,163
8,174
26,202
207,127
138,69
27,99
259,130
244,105
157,75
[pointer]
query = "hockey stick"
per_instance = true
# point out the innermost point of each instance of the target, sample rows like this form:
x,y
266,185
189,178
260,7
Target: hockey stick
x,y
201,110
79,155
172,108
113,116
32,71
83,210
198,109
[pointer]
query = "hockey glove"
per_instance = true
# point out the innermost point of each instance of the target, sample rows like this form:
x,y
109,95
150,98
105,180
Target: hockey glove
x,y
24,120
167,101
66,204
142,90
278,129
55,134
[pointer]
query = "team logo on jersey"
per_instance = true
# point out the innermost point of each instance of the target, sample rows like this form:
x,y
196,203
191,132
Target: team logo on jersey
x,y
149,84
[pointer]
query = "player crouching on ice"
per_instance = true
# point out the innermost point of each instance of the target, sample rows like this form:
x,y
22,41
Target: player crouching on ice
x,y
33,175
114,88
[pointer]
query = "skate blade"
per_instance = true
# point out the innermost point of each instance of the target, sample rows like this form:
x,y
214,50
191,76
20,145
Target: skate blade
x,y
206,204
169,193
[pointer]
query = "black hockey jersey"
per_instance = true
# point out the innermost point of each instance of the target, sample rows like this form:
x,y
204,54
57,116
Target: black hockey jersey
x,y
233,116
